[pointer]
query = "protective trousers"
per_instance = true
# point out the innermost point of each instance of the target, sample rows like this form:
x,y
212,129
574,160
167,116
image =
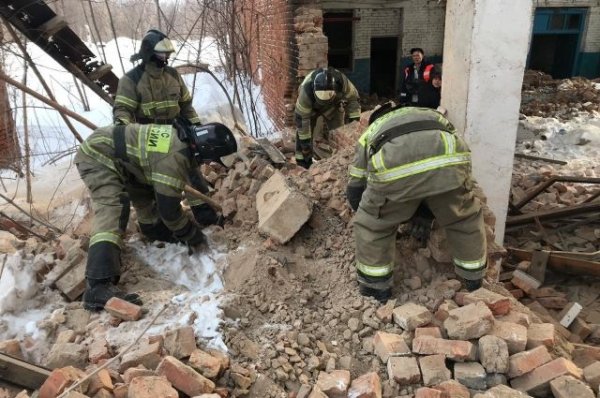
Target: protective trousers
x,y
457,211
321,125
111,214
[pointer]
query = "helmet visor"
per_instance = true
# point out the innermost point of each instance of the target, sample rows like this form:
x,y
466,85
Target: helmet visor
x,y
325,95
164,46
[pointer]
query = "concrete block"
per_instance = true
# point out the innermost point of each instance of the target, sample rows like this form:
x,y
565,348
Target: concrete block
x,y
569,313
282,210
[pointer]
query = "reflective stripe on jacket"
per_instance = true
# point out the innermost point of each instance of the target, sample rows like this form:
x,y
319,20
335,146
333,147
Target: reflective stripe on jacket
x,y
414,165
150,92
157,161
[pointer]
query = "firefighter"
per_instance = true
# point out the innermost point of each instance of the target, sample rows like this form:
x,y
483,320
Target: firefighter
x,y
153,92
415,75
324,94
411,158
149,166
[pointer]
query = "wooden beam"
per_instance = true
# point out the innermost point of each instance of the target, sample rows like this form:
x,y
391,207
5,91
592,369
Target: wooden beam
x,y
563,263
22,373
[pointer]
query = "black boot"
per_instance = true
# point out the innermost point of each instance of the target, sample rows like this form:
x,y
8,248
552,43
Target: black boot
x,y
157,231
98,292
472,285
380,288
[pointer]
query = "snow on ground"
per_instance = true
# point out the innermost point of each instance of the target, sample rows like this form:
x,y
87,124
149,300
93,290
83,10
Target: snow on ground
x,y
60,195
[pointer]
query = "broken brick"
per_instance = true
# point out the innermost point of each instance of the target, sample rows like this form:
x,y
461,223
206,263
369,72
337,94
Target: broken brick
x,y
139,371
334,383
206,364
540,334
389,345
123,309
569,387
526,361
457,350
145,354
411,316
100,380
366,386
537,382
183,377
432,331
404,370
524,281
181,342
453,389
59,380
434,370
493,354
151,387
471,375
591,373
498,304
469,322
426,392
515,335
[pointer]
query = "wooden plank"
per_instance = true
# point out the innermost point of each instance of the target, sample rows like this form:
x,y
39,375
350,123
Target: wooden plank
x,y
22,373
563,263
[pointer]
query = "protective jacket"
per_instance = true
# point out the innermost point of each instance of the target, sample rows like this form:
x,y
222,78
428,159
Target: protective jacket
x,y
150,94
149,161
429,96
413,165
407,158
411,81
308,106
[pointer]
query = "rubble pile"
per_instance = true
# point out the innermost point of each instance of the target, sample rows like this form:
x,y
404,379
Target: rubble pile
x,y
294,323
563,99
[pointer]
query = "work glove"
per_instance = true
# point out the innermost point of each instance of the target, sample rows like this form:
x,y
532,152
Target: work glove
x,y
191,235
307,152
421,222
354,194
157,231
206,215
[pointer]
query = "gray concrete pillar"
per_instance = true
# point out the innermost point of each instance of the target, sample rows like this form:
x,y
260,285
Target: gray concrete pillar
x,y
485,51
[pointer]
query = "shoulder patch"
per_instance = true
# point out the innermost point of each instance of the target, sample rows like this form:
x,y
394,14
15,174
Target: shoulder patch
x,y
159,138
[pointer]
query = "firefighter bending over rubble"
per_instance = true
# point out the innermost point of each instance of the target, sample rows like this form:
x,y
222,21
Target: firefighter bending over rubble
x,y
325,93
410,162
149,166
153,92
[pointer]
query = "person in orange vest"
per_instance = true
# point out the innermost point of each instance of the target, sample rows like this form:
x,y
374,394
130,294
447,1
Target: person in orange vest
x,y
415,75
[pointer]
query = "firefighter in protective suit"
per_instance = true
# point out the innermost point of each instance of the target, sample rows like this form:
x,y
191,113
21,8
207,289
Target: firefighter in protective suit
x,y
328,94
149,166
153,92
411,158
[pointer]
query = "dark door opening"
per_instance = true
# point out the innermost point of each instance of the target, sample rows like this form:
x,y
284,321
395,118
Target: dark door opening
x,y
337,26
384,58
554,54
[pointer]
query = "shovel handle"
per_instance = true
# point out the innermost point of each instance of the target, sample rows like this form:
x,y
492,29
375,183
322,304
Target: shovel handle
x,y
200,195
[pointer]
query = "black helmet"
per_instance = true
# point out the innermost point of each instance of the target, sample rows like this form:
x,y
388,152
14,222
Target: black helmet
x,y
155,46
207,142
327,82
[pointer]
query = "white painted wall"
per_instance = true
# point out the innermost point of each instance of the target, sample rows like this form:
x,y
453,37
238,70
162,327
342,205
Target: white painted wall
x,y
485,50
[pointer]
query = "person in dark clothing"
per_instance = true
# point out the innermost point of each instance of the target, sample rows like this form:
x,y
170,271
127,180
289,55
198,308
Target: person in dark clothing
x,y
430,93
415,75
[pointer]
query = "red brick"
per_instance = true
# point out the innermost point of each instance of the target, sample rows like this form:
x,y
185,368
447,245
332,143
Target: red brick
x,y
456,350
469,322
540,334
121,390
434,370
410,316
98,350
526,361
453,389
389,345
334,383
151,387
517,293
146,354
59,380
206,364
183,377
426,392
181,342
385,313
366,386
221,356
537,382
139,371
12,348
498,304
470,374
570,387
99,381
515,335
580,328
404,370
123,309
102,393
515,317
432,331
591,373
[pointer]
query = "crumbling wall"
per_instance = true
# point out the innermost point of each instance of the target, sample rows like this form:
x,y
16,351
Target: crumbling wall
x,y
9,143
287,42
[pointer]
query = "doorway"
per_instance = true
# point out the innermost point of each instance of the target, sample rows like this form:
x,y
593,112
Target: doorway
x,y
384,59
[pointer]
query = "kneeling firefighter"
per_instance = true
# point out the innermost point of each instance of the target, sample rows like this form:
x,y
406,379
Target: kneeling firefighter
x,y
409,163
148,165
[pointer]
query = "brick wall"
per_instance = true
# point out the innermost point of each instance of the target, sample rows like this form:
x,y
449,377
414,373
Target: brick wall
x,y
375,23
423,26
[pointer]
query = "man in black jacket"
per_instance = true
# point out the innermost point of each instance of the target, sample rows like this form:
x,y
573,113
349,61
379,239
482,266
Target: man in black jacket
x,y
430,92
415,75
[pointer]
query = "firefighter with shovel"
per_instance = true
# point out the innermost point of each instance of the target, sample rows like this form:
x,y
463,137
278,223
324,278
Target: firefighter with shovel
x,y
148,166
